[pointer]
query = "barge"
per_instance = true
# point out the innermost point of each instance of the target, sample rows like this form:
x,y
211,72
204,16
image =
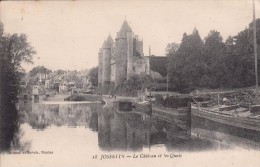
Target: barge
x,y
232,124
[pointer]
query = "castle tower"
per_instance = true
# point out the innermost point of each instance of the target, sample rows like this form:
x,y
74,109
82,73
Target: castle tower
x,y
110,41
100,67
106,57
111,44
130,54
112,62
121,51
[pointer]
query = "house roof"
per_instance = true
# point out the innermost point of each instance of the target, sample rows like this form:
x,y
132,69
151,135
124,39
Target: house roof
x,y
104,44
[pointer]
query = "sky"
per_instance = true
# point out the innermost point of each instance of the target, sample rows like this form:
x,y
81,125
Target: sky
x,y
68,34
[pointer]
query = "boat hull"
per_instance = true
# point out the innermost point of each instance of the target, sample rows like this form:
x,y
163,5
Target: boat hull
x,y
225,128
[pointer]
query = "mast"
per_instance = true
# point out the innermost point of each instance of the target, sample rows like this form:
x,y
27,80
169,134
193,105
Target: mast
x,y
150,50
167,81
255,50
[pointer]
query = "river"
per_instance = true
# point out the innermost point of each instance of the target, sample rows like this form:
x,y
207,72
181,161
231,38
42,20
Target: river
x,y
74,132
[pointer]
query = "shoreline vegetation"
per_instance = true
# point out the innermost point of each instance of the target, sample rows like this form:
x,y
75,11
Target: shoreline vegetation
x,y
95,97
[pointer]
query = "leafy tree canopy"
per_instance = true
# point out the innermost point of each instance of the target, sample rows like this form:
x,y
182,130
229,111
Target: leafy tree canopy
x,y
93,76
14,49
39,69
213,63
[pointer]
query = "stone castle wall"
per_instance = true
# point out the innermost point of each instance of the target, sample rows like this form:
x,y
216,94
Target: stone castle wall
x,y
121,61
141,65
138,47
106,57
113,65
100,66
130,53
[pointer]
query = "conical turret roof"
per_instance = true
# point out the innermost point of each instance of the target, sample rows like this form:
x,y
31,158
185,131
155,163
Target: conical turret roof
x,y
104,44
108,43
110,40
124,29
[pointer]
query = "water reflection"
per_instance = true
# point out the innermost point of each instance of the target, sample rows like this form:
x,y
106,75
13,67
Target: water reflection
x,y
40,116
115,130
10,134
121,131
134,132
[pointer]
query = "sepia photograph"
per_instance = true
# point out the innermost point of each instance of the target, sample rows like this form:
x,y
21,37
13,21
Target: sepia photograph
x,y
145,83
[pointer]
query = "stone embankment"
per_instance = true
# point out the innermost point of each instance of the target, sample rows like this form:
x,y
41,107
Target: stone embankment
x,y
82,97
112,99
103,98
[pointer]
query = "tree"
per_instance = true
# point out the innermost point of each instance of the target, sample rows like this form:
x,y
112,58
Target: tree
x,y
137,82
171,48
239,58
213,64
185,65
93,76
59,72
14,49
213,61
39,69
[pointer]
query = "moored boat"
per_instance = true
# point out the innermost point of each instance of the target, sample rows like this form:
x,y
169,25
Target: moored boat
x,y
232,123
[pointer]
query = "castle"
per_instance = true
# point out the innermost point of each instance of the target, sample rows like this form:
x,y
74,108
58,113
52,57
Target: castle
x,y
118,60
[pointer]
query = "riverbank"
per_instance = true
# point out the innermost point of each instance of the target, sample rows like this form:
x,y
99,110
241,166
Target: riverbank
x,y
57,97
105,99
84,97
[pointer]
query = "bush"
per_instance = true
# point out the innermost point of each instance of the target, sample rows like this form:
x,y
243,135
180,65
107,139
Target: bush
x,y
136,83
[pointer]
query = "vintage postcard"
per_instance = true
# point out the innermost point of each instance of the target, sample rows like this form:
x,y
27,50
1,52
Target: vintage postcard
x,y
130,83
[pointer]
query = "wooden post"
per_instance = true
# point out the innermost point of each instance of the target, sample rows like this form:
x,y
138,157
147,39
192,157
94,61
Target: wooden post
x,y
218,100
188,120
